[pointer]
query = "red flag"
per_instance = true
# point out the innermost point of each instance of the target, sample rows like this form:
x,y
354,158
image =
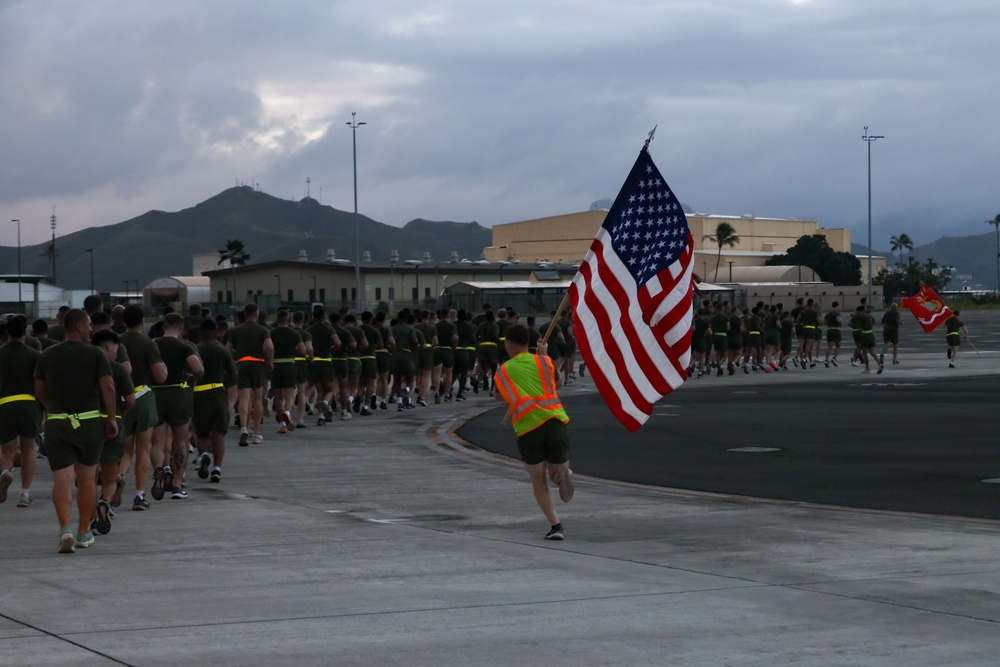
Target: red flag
x,y
632,297
928,308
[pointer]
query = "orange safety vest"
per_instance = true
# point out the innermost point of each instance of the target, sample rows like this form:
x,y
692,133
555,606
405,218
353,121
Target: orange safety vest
x,y
528,383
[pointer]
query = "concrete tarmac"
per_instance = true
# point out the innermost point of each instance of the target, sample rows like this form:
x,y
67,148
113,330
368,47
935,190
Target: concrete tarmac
x,y
390,541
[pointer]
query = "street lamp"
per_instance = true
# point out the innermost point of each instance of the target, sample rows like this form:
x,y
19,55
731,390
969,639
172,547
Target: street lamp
x,y
870,139
20,300
354,125
91,251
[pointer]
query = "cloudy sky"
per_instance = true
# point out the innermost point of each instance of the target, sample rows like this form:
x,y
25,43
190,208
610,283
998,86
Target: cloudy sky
x,y
503,111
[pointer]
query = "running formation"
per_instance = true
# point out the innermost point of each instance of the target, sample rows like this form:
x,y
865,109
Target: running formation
x,y
112,404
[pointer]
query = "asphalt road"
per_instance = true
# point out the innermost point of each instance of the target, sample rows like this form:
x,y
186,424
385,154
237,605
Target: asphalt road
x,y
905,441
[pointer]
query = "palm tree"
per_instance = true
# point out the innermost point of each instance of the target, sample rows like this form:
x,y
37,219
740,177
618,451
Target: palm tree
x,y
724,235
236,254
901,243
996,223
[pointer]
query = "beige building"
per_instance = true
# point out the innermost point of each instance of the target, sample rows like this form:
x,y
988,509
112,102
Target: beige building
x,y
566,238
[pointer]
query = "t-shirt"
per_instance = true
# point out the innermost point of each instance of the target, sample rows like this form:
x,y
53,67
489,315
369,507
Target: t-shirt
x,y
373,337
175,353
123,386
720,324
72,372
891,320
144,355
446,333
346,338
833,319
247,340
953,324
428,330
405,337
17,369
466,334
57,332
322,334
286,340
488,332
33,343
218,363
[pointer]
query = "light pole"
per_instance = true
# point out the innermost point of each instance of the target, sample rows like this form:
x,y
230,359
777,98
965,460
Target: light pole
x,y
91,251
354,124
20,300
870,139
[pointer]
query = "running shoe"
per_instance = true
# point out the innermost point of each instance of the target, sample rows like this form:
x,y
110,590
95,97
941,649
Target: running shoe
x,y
320,421
345,415
475,386
244,439
258,439
895,362
25,501
203,466
421,402
216,476
746,371
881,358
168,479
951,365
795,361
373,402
139,504
565,483
365,412
286,420
399,407
300,426
555,533
157,490
383,406
356,404
826,363
116,499
103,521
67,543
84,540
834,361
459,397
881,367
281,430
177,493
328,413
5,480
437,399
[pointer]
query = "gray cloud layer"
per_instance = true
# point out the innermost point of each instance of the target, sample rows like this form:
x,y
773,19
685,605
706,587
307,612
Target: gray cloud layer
x,y
503,111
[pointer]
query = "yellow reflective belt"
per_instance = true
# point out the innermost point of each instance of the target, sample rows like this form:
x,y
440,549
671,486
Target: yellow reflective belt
x,y
472,349
368,357
487,342
206,387
141,391
720,334
285,361
809,326
16,397
381,351
75,419
754,332
296,359
182,385
868,331
442,347
104,416
322,358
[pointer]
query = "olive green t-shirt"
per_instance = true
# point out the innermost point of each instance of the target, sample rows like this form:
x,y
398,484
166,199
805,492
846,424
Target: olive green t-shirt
x,y
373,337
285,340
891,320
345,342
466,334
429,331
33,343
218,362
123,386
247,340
445,333
175,353
143,353
72,372
359,337
405,337
17,369
322,333
720,324
57,332
488,332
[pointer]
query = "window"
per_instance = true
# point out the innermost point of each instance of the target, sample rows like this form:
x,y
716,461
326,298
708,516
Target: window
x,y
392,293
322,294
291,295
378,293
219,297
427,292
343,294
415,295
354,294
312,294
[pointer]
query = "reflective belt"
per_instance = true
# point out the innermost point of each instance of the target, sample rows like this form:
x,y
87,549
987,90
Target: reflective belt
x,y
16,397
248,358
471,349
867,331
381,351
442,347
428,345
487,342
809,326
104,416
289,360
503,338
754,332
296,359
206,387
75,419
406,349
322,358
353,358
141,391
182,385
952,333
372,356
720,334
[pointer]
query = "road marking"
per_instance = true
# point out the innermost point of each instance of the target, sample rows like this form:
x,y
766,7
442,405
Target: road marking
x,y
746,392
754,450
992,480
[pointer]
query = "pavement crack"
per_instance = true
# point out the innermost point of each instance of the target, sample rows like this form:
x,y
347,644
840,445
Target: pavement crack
x,y
65,638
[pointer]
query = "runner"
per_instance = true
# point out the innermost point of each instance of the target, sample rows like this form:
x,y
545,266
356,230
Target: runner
x,y
465,351
444,354
344,357
73,381
147,370
956,329
891,321
174,407
833,335
288,346
369,364
254,352
321,373
425,354
866,323
403,366
720,331
302,386
210,410
528,384
20,416
111,453
383,360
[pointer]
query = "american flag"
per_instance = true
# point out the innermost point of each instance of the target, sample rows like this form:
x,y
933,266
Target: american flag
x,y
632,297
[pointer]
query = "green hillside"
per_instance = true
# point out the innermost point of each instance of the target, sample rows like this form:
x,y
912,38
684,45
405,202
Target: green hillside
x,y
158,243
969,255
